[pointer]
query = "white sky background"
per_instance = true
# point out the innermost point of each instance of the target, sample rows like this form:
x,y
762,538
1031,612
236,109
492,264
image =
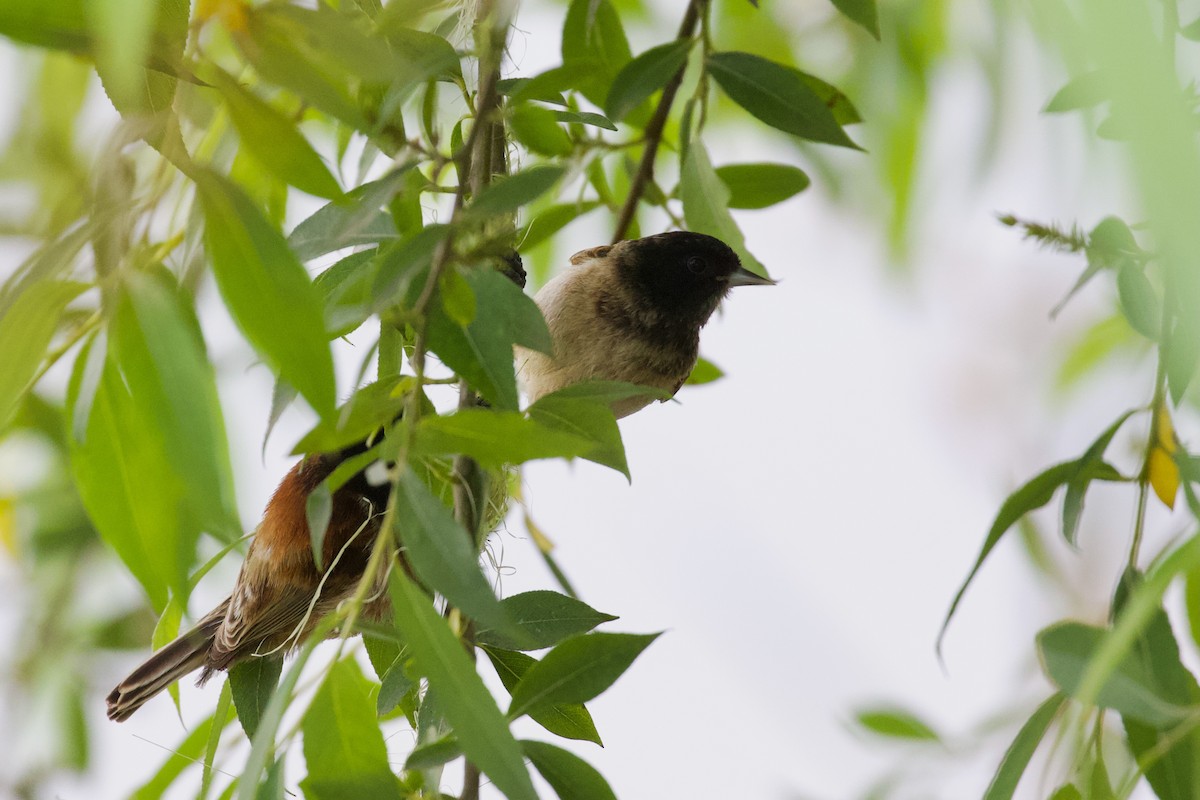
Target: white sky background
x,y
799,528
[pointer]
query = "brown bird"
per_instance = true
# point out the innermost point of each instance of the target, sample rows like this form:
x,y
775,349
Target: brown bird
x,y
626,312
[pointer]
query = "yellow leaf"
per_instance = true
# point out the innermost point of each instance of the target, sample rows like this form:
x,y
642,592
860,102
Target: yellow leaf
x,y
8,525
1161,468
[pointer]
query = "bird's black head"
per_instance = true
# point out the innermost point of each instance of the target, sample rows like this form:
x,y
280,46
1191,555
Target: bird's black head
x,y
682,274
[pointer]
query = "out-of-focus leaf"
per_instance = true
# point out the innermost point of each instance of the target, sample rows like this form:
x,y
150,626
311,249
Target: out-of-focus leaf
x,y
862,12
777,95
1016,758
482,352
274,140
1066,649
577,670
1082,91
466,702
508,194
1093,348
1066,792
26,328
550,221
1191,31
546,617
705,205
252,682
568,720
59,24
761,185
594,39
1139,301
443,556
645,75
570,776
537,128
704,372
267,291
343,747
358,219
896,724
1175,772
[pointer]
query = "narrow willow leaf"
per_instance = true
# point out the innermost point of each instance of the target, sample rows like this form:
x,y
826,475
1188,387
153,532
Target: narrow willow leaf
x,y
318,509
26,328
568,720
705,205
434,754
165,631
183,755
443,556
1139,301
354,220
550,221
252,682
343,746
761,185
1020,752
508,194
594,42
591,420
371,407
546,617
1089,467
645,75
577,670
585,118
777,95
570,776
537,128
1031,496
346,291
1066,650
496,438
466,702
267,291
896,724
482,352
274,140
862,12
395,683
1083,91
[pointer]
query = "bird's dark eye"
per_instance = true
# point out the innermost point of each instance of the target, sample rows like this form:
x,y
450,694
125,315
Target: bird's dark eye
x,y
696,265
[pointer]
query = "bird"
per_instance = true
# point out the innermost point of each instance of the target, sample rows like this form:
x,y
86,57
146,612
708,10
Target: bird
x,y
630,311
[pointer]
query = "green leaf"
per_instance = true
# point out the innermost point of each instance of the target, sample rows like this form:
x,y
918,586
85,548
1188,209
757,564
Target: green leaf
x,y
434,754
844,112
777,95
1191,31
594,42
165,632
267,291
546,617
704,372
585,118
550,221
577,670
318,509
591,420
1066,792
466,702
568,720
761,185
570,776
1033,495
1083,91
508,194
274,140
1171,762
442,554
1066,649
355,220
46,23
1017,757
370,408
495,438
343,747
1088,467
252,683
482,353
705,205
26,327
862,12
645,75
896,724
394,685
121,31
345,289
538,129
183,755
1139,301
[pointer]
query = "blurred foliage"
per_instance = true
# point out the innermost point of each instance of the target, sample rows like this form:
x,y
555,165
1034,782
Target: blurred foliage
x,y
434,163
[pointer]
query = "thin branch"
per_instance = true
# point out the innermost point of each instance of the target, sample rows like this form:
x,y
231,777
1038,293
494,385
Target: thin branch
x,y
654,129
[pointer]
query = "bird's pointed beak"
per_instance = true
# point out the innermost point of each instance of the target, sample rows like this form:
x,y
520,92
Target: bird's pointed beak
x,y
744,277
